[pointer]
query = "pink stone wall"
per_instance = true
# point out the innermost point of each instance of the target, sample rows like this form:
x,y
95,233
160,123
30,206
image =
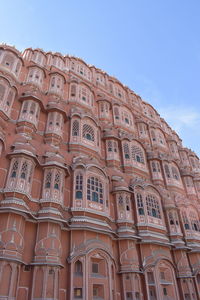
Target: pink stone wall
x,y
99,199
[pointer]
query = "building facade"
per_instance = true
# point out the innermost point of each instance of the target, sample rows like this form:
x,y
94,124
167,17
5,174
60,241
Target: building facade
x,y
99,199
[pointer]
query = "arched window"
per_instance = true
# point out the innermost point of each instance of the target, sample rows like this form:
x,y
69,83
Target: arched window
x,y
153,135
124,206
185,220
57,181
153,206
24,170
142,128
55,123
10,99
78,268
153,165
126,151
160,137
32,108
109,146
140,204
85,95
14,169
57,62
88,132
48,180
73,90
75,128
20,175
35,76
171,218
137,154
82,70
100,78
167,171
116,113
79,186
53,185
56,84
30,112
127,199
120,200
112,146
39,58
7,95
104,109
94,190
194,221
175,173
126,117
8,61
119,93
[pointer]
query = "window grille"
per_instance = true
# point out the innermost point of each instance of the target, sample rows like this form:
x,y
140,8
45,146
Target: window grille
x,y
48,180
126,151
140,204
24,170
8,61
153,165
94,190
116,113
35,75
75,128
58,120
88,132
85,95
167,171
127,203
25,107
10,98
53,81
158,167
30,174
185,220
73,90
115,146
14,169
194,221
175,173
142,128
79,186
120,200
110,146
57,181
137,154
32,108
51,118
171,218
153,207
153,135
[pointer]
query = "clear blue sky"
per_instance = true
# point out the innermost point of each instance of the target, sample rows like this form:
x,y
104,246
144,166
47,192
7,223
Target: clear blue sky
x,y
153,46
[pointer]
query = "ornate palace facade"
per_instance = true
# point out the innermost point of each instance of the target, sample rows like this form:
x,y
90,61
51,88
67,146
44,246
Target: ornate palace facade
x,y
99,199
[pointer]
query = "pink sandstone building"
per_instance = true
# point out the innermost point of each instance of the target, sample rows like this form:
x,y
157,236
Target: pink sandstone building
x,y
99,199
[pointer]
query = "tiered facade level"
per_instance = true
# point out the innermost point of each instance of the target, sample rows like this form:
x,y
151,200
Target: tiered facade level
x,y
99,199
